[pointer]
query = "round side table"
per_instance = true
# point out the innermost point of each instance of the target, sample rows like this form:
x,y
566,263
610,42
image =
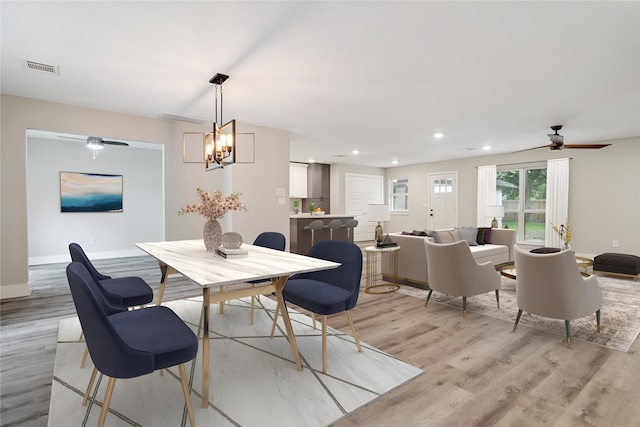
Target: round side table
x,y
373,261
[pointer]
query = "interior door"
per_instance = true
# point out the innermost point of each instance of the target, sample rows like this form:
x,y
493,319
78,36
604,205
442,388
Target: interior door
x,y
443,203
360,192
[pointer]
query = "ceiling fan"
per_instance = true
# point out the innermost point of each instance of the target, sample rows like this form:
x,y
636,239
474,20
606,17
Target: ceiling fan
x,y
557,142
97,143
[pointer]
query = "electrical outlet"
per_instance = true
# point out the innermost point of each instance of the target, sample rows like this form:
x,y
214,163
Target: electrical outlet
x,y
92,241
615,243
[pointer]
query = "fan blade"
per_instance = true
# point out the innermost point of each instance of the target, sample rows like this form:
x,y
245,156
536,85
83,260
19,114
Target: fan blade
x,y
75,139
534,148
115,143
591,146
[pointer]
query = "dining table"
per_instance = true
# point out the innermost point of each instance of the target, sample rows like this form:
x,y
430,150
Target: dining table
x,y
211,271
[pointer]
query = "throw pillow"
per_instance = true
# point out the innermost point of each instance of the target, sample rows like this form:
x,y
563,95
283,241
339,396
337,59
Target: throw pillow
x,y
487,235
480,236
469,234
419,233
407,233
448,236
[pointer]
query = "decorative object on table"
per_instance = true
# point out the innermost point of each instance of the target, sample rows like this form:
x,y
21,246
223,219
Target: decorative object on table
x,y
495,211
231,240
232,253
378,213
213,208
90,192
311,207
296,207
386,242
565,233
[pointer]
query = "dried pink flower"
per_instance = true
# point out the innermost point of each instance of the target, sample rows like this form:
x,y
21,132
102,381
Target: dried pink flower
x,y
214,207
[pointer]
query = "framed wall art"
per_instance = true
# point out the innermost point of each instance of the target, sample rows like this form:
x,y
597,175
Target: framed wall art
x,y
90,192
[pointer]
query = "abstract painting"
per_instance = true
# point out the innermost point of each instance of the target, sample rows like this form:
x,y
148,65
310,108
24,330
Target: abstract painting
x,y
90,192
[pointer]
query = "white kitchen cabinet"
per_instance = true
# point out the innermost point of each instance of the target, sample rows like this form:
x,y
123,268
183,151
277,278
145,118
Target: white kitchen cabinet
x,y
298,180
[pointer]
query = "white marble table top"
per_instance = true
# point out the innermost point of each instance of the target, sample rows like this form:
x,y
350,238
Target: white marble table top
x,y
191,259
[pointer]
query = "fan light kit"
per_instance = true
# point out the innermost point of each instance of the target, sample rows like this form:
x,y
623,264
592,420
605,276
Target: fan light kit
x,y
557,140
95,143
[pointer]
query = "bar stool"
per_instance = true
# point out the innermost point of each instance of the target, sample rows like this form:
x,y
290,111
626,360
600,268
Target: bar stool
x,y
350,225
313,226
333,225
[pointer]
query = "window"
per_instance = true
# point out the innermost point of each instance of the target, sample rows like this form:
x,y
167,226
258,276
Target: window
x,y
443,185
400,194
523,191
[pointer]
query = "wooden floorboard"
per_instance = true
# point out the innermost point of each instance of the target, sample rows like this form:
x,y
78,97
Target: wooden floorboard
x,y
477,372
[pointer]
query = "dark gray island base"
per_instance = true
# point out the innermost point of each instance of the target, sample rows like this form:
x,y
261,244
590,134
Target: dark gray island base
x,y
300,239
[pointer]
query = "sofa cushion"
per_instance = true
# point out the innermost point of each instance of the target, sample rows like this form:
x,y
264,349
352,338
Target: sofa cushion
x,y
446,236
470,234
497,254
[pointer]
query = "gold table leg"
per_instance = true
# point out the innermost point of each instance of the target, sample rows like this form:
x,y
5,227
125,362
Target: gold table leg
x,y
164,269
205,347
279,285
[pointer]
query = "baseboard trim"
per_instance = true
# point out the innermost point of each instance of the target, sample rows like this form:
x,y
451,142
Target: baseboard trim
x,y
53,259
15,291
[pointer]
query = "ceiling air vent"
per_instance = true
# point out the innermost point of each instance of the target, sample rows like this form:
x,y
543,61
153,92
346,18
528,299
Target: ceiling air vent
x,y
41,68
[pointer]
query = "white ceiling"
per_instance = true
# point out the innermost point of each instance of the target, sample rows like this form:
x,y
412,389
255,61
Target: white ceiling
x,y
379,77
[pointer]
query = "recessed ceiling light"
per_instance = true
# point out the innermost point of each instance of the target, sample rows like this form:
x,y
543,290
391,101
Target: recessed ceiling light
x,y
395,162
438,135
311,161
355,152
486,147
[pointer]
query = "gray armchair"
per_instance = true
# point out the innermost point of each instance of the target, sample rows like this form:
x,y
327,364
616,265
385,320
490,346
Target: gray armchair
x,y
551,285
454,271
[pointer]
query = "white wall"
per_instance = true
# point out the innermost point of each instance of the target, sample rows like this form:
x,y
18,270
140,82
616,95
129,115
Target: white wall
x,y
114,234
604,193
181,179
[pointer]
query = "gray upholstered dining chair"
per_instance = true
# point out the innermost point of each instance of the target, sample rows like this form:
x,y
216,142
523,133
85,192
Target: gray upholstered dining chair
x,y
551,285
454,271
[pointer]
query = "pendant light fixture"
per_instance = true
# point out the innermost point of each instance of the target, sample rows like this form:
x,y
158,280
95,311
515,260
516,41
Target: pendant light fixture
x,y
220,143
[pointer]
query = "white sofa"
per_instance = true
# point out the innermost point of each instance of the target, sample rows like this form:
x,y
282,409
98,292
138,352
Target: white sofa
x,y
412,258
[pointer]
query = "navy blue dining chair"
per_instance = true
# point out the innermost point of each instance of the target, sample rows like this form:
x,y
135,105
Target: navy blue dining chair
x,y
129,343
331,291
122,291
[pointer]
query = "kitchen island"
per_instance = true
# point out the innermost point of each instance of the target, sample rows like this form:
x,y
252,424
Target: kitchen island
x,y
300,239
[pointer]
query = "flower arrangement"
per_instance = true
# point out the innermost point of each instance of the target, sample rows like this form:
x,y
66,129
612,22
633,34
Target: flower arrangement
x,y
214,207
564,231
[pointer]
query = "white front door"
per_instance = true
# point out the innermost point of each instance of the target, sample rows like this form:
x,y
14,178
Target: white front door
x,y
360,192
443,200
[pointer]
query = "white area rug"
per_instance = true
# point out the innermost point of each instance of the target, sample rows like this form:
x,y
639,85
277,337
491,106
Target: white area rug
x,y
619,315
254,381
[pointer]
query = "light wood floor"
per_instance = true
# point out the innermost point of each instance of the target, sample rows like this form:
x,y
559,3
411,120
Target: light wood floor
x,y
477,373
